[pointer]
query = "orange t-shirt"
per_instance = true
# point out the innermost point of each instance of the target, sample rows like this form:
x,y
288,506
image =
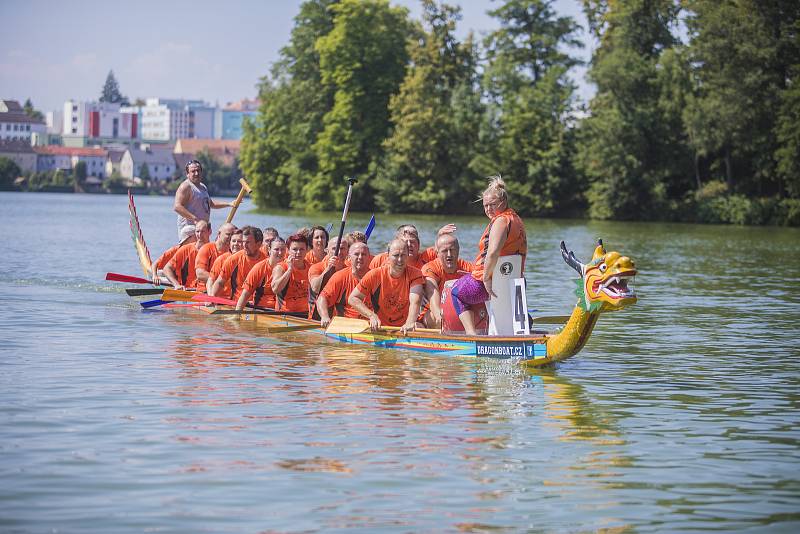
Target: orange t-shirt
x,y
337,291
516,240
390,296
183,264
294,296
310,258
235,271
381,259
218,263
163,260
205,259
435,271
258,283
318,268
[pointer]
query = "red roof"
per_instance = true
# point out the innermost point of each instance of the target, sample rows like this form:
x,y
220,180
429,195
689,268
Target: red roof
x,y
55,150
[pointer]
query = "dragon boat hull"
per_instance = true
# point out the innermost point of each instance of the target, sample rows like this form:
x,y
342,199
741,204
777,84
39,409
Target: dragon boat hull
x,y
528,350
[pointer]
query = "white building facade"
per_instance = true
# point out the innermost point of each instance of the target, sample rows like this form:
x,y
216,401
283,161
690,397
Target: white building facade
x,y
98,120
165,120
160,164
16,125
51,157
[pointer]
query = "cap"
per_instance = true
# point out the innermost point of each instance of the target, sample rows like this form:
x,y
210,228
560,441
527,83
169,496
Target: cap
x,y
186,233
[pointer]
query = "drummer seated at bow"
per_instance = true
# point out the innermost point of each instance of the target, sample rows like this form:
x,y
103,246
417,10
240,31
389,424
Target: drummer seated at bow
x,y
503,236
333,298
236,268
447,266
290,277
180,270
258,283
395,291
410,234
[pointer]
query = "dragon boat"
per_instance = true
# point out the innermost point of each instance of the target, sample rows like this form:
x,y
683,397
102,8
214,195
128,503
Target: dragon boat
x,y
603,287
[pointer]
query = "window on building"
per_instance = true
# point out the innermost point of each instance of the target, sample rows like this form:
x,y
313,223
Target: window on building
x,y
28,127
16,127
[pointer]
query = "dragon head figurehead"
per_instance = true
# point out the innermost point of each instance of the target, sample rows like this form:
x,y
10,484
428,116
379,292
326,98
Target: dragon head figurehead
x,y
604,280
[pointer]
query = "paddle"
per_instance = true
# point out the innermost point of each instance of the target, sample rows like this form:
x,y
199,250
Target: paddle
x,y
328,275
370,227
551,319
153,303
245,189
178,294
136,292
265,311
116,277
348,325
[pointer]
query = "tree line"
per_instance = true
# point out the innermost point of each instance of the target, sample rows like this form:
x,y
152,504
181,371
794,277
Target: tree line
x,y
696,115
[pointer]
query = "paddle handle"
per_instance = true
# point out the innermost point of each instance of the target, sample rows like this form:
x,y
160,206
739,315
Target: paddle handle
x,y
244,190
344,214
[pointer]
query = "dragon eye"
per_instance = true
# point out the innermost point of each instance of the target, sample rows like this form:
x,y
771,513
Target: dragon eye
x,y
603,267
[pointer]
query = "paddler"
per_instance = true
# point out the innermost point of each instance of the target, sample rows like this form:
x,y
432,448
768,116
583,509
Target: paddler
x,y
235,269
503,236
216,267
317,244
447,266
270,233
192,201
394,289
410,234
258,283
209,252
329,265
290,277
180,270
186,236
333,298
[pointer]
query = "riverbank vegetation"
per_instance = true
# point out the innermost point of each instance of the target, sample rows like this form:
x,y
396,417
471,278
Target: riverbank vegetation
x,y
696,115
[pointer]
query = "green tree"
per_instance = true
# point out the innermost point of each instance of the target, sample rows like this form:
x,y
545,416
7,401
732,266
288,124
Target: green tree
x,y
527,129
32,112
362,60
111,92
144,172
9,171
216,175
80,172
426,164
277,153
738,70
631,147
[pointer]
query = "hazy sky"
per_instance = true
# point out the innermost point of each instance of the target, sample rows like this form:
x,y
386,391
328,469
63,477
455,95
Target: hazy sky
x,y
52,51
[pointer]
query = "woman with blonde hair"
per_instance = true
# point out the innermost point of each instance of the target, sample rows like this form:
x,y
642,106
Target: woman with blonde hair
x,y
503,236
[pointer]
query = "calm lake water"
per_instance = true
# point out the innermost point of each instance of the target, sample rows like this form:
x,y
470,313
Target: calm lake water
x,y
680,414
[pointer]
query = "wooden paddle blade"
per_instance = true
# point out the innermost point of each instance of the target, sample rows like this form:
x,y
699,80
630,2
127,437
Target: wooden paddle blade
x,y
178,294
136,292
347,325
